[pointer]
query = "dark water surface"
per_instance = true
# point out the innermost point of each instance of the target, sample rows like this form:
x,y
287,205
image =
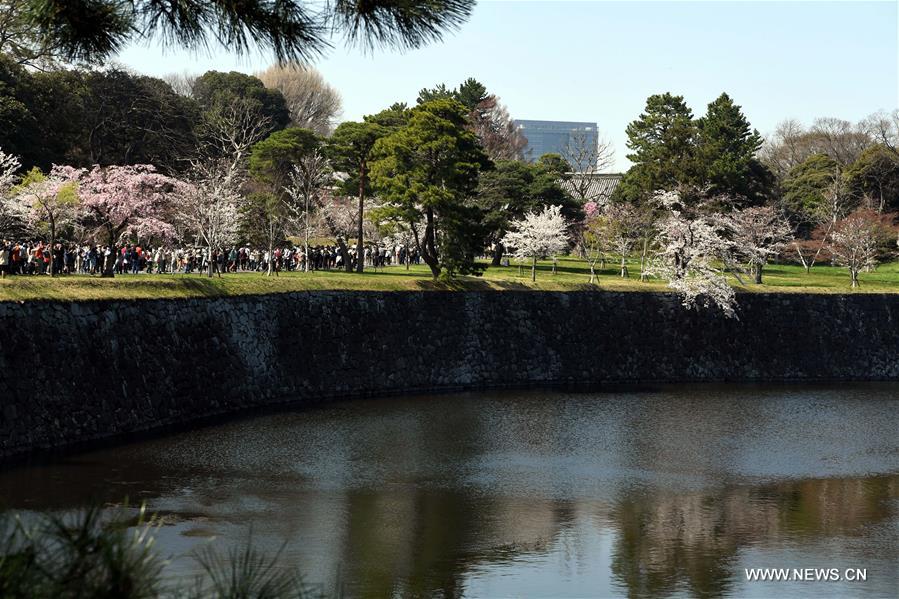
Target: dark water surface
x,y
672,491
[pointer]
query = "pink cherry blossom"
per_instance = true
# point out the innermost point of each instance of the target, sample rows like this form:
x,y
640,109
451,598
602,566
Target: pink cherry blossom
x,y
127,200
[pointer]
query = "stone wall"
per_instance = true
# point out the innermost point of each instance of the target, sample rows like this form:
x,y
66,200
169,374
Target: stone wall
x,y
74,372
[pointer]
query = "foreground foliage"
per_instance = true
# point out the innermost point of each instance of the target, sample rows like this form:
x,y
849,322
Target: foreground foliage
x,y
101,555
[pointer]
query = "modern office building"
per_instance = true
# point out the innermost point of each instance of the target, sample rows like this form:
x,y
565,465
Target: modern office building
x,y
556,137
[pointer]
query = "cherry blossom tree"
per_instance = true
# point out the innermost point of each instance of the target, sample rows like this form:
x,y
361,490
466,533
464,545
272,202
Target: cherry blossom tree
x,y
837,197
308,181
393,234
272,222
857,241
338,217
49,200
208,205
230,130
9,166
538,235
621,226
589,156
126,200
593,241
693,255
758,233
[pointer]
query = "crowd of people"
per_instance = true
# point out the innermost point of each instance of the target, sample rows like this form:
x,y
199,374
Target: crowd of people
x,y
38,257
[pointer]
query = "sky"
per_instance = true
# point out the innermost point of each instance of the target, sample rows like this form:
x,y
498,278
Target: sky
x,y
598,61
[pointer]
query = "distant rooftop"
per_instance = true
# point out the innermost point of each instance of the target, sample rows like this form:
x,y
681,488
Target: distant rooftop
x,y
595,187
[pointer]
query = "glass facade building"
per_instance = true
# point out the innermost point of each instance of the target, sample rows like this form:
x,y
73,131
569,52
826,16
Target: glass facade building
x,y
555,137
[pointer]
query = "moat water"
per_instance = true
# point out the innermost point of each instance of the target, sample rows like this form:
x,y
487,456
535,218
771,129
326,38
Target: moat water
x,y
657,492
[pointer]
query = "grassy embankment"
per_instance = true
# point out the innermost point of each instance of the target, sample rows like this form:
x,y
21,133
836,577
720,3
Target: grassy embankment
x,y
571,275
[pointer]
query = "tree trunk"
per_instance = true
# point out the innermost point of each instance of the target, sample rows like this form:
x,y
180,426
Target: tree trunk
x,y
757,271
534,270
592,272
52,248
360,248
270,267
345,254
853,274
624,273
643,259
306,231
109,264
498,251
432,263
429,248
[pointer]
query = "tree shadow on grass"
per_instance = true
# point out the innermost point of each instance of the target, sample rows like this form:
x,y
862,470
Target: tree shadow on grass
x,y
191,286
511,285
203,287
467,284
472,284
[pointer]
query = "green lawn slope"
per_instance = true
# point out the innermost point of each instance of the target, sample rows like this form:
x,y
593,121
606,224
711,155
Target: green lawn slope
x,y
571,275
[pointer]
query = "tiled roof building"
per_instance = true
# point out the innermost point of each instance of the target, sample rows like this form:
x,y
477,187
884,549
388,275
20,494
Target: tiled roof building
x,y
592,187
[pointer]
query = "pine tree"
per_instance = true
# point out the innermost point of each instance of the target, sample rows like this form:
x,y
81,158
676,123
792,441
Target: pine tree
x,y
661,141
350,149
426,174
471,92
726,154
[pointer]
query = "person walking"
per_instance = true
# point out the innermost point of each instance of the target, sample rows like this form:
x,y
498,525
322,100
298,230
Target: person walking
x,y
4,259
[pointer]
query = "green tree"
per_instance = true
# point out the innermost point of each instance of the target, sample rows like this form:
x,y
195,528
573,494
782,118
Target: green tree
x,y
263,219
438,92
47,201
131,119
555,163
875,176
662,142
20,133
426,172
272,159
726,154
215,90
807,186
513,188
471,93
394,117
350,150
272,163
487,118
108,117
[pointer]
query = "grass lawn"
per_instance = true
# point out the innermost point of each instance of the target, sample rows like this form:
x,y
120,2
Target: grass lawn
x,y
571,275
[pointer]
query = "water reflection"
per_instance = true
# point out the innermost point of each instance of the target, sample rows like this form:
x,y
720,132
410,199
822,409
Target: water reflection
x,y
667,493
696,539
